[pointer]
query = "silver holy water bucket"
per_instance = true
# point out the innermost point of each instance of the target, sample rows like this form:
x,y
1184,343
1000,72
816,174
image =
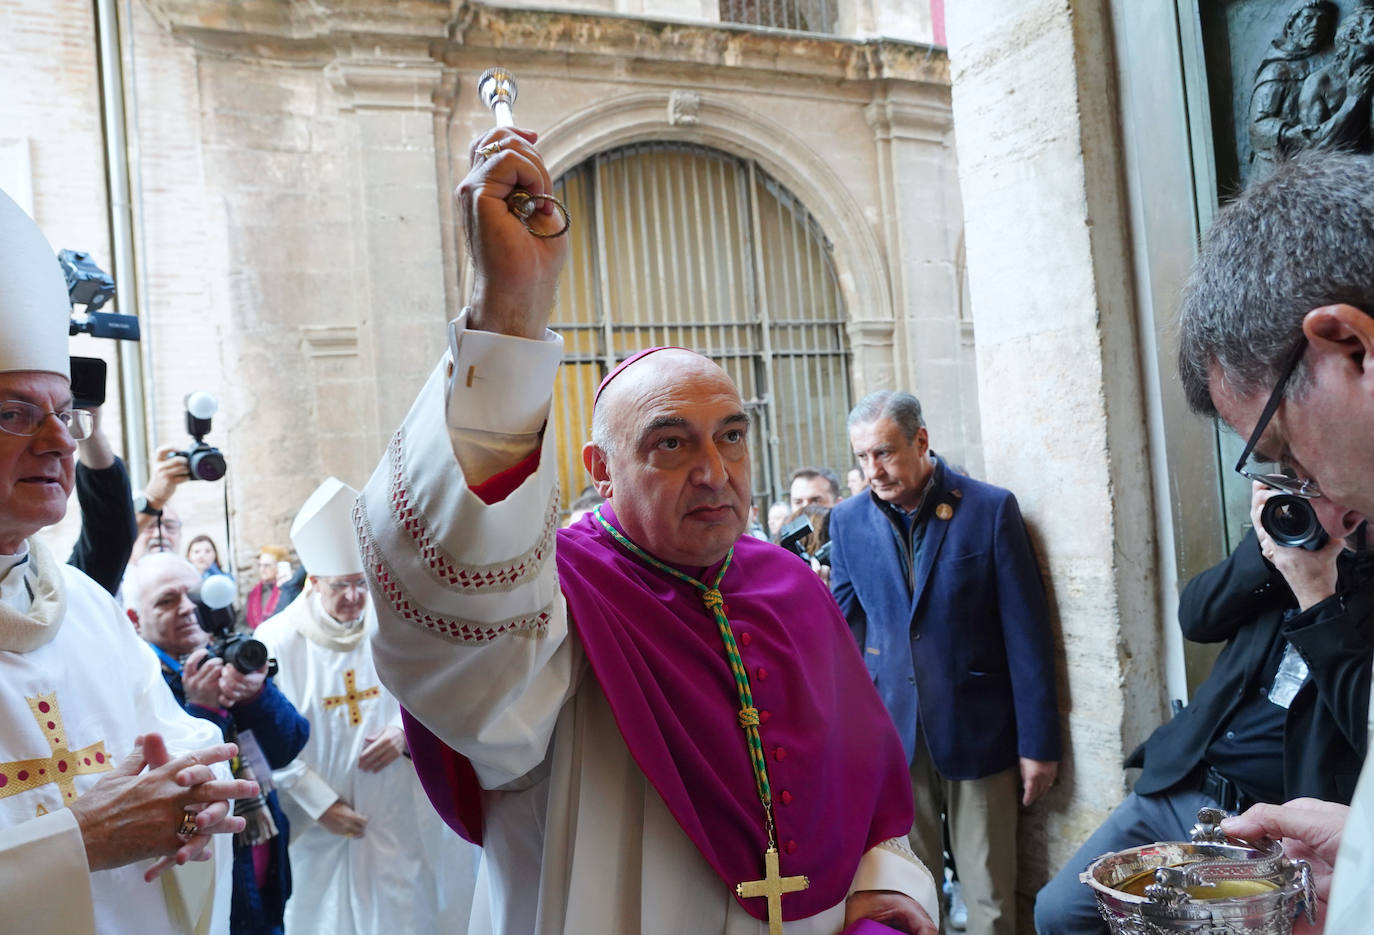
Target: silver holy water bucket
x,y
1212,885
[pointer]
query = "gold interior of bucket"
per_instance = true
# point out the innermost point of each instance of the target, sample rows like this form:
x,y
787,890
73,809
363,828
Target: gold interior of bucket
x,y
1135,884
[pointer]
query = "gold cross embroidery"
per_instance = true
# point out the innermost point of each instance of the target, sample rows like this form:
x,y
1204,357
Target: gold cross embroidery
x,y
352,697
62,767
773,885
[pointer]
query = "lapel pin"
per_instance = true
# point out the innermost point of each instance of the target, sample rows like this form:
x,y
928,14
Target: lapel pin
x,y
944,511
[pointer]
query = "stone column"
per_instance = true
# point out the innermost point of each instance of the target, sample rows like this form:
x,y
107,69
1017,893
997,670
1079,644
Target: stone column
x,y
388,108
921,223
1060,378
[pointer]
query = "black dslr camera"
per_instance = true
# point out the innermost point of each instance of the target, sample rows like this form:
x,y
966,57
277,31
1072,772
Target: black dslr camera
x,y
793,537
204,461
1291,522
236,649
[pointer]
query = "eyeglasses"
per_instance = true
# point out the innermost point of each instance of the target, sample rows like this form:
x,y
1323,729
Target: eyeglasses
x,y
339,585
1279,480
24,419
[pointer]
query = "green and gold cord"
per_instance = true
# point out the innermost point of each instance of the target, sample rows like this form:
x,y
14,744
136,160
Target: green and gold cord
x,y
715,603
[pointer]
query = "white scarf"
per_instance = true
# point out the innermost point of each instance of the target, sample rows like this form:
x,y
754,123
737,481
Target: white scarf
x,y
32,615
323,630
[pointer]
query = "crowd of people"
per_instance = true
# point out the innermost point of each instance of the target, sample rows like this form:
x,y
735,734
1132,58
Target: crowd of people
x,y
649,719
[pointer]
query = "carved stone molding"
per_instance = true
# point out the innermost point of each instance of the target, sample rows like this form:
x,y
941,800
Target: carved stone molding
x,y
683,107
330,340
867,332
920,120
386,85
721,44
323,29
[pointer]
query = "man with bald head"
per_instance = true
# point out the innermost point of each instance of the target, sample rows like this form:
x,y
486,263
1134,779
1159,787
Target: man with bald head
x,y
649,720
247,709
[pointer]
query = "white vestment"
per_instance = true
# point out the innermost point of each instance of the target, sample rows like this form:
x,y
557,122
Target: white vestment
x,y
407,873
1351,911
69,711
474,640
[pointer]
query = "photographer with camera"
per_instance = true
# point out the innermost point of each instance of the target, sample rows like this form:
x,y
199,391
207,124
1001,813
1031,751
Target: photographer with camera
x,y
159,528
108,522
209,680
806,534
1281,715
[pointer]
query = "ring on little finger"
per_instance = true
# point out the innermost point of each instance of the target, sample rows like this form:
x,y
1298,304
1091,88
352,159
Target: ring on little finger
x,y
188,824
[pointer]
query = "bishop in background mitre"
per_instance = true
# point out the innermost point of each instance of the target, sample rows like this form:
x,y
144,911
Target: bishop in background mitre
x,y
650,721
366,855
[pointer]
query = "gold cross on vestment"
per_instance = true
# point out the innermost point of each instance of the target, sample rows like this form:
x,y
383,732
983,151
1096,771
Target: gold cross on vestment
x,y
62,767
352,697
773,885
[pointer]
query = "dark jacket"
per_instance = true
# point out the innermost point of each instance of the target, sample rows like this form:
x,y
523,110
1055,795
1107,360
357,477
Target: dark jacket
x,y
281,732
1245,601
967,651
108,524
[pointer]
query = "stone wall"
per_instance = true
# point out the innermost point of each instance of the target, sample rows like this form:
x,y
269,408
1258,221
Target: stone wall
x,y
50,134
1061,382
292,171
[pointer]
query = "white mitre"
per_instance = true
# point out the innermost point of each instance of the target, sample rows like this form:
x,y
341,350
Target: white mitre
x,y
323,531
34,308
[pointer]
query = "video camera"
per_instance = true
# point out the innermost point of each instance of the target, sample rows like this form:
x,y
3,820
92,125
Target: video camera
x,y
91,286
793,537
236,649
204,461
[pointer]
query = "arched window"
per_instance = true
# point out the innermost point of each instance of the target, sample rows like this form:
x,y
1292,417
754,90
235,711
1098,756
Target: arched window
x,y
684,245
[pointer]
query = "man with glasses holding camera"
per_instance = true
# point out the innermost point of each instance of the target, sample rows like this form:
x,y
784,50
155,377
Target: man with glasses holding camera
x,y
1282,714
1277,340
104,781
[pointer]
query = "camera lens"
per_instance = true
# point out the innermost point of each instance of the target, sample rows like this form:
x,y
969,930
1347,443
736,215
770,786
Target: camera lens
x,y
247,656
206,464
1291,522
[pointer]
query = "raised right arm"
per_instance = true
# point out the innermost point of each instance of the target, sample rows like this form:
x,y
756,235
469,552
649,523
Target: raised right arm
x,y
473,633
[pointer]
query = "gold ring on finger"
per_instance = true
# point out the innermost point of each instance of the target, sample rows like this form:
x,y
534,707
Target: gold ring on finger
x,y
491,149
188,824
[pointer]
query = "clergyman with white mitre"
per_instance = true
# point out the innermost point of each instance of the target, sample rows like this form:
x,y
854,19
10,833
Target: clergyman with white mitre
x,y
105,781
366,856
650,721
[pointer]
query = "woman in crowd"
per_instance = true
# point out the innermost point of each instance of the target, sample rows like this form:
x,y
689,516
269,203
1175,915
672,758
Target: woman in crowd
x,y
276,587
203,554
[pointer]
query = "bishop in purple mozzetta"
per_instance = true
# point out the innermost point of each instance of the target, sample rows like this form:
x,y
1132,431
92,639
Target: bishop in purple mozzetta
x,y
650,722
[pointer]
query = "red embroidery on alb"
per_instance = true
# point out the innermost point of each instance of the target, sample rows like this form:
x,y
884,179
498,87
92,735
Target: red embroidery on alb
x,y
386,585
466,578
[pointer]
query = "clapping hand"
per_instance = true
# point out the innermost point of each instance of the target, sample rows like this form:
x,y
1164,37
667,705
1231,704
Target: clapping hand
x,y
135,811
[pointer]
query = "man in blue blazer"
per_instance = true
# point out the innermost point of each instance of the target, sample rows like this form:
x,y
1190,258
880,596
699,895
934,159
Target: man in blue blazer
x,y
935,574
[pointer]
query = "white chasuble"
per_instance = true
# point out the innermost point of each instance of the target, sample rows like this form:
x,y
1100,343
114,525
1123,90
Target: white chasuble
x,y
474,639
69,712
407,873
1352,886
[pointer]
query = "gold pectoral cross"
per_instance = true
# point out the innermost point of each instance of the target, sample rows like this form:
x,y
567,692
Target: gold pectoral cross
x,y
773,885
